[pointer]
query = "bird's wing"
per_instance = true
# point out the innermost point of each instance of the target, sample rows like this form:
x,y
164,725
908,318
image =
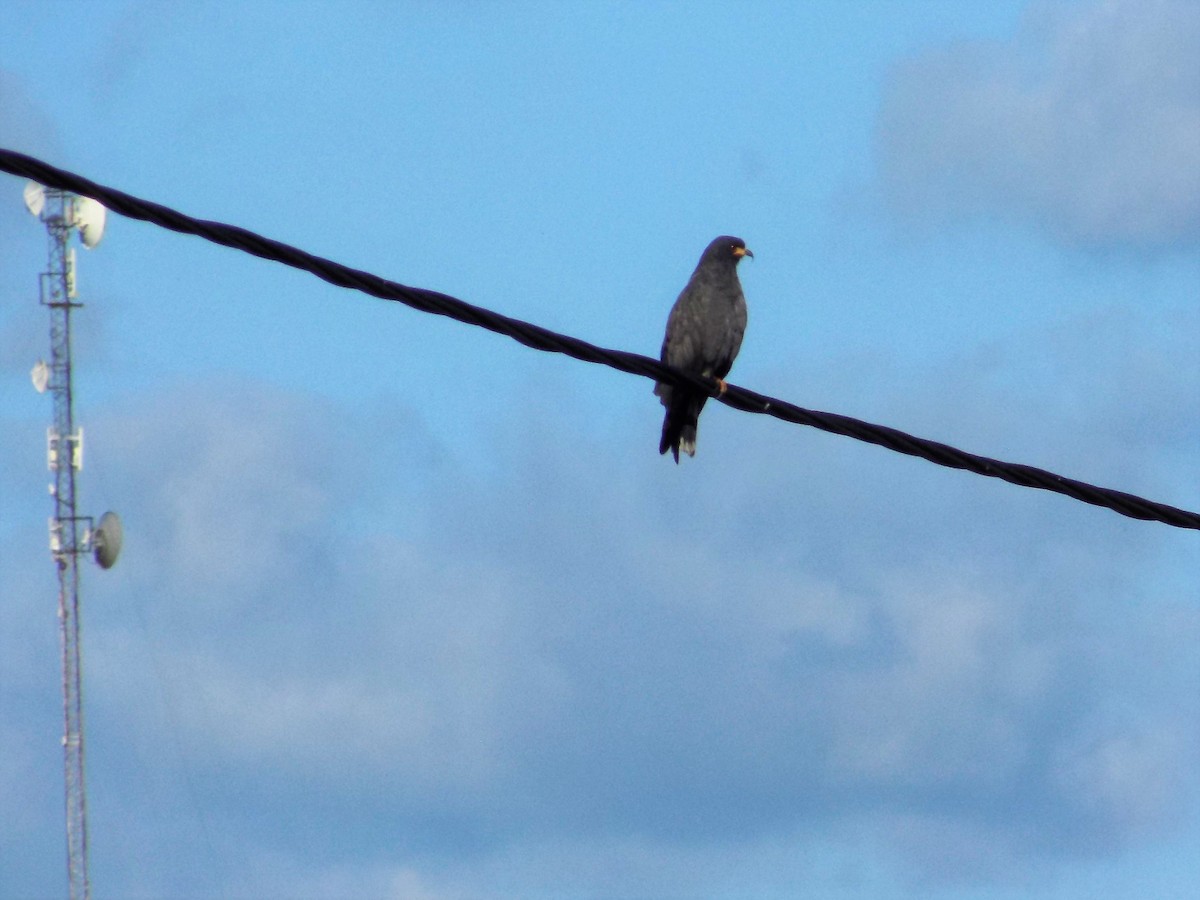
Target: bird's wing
x,y
732,330
683,345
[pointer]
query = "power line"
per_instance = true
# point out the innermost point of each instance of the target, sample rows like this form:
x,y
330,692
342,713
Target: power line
x,y
543,339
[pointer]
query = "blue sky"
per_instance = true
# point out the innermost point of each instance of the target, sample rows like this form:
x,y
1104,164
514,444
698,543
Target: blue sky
x,y
407,610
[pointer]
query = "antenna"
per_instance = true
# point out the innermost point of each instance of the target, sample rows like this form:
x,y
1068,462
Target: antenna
x,y
35,197
40,376
70,534
106,540
89,219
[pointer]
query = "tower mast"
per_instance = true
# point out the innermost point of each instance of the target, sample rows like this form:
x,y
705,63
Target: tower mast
x,y
64,446
70,533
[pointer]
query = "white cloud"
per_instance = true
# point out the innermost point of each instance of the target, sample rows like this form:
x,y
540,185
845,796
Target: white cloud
x,y
947,705
588,651
1125,777
280,876
1086,123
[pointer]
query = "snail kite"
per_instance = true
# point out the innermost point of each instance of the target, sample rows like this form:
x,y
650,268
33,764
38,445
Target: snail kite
x,y
704,334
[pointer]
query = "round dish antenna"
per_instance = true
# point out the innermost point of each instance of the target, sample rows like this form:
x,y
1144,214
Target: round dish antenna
x,y
106,540
35,197
89,218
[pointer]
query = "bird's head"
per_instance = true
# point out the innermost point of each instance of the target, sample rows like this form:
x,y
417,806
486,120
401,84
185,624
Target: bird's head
x,y
727,248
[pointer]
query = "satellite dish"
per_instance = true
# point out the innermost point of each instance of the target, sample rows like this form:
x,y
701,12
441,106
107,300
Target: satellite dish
x,y
40,376
35,197
89,217
106,540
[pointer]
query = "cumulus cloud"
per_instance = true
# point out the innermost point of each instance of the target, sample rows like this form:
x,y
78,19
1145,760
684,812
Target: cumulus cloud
x,y
1086,123
279,876
592,655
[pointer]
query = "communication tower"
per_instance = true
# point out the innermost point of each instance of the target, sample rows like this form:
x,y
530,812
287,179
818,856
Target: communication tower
x,y
70,533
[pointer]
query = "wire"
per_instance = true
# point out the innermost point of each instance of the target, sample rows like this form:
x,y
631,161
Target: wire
x,y
543,339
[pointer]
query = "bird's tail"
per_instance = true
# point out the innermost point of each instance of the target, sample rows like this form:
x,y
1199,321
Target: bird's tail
x,y
679,424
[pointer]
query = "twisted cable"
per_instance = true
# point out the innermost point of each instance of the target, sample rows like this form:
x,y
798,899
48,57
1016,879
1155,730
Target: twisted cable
x,y
544,339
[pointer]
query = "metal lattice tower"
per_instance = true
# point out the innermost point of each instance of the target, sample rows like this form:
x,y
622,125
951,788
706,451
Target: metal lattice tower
x,y
70,533
64,453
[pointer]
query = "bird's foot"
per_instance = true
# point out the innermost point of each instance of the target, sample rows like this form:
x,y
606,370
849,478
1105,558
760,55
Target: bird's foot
x,y
722,387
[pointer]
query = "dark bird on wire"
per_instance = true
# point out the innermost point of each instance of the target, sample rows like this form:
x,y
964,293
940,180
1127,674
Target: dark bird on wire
x,y
704,334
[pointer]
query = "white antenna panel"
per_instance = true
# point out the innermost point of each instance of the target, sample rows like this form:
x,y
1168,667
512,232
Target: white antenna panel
x,y
51,449
89,216
40,376
77,449
35,197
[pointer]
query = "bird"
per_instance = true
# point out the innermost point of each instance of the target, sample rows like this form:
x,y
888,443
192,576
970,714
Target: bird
x,y
704,334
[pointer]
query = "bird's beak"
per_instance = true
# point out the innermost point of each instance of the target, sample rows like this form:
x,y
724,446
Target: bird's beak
x,y
739,252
